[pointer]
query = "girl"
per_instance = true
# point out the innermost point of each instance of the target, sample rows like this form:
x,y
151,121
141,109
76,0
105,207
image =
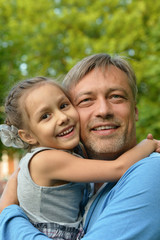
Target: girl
x,y
52,178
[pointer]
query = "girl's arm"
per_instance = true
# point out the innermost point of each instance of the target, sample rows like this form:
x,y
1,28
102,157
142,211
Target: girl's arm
x,y
60,165
9,195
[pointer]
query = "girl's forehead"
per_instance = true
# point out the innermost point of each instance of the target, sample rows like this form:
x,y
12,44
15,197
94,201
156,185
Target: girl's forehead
x,y
44,92
41,92
43,85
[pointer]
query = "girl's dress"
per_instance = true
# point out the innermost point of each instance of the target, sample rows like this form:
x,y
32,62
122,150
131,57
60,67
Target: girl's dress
x,y
55,210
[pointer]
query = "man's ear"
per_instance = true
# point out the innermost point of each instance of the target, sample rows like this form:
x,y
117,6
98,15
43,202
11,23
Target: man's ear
x,y
136,113
27,137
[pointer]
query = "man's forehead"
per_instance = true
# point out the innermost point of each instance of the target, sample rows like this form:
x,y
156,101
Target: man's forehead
x,y
99,81
99,76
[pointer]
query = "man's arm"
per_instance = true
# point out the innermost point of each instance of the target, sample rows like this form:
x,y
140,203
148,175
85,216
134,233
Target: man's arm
x,y
131,210
14,224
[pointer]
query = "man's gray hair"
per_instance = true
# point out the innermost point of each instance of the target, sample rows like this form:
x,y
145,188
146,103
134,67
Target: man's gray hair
x,y
101,60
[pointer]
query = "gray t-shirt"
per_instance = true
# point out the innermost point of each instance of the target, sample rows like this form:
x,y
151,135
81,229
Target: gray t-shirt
x,y
58,204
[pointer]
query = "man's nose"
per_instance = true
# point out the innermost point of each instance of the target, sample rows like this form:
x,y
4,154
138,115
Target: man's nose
x,y
103,108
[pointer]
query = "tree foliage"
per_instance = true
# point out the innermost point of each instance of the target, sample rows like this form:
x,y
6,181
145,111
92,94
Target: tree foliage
x,y
49,36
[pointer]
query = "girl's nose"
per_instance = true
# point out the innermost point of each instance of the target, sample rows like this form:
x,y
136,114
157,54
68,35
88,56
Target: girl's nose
x,y
62,118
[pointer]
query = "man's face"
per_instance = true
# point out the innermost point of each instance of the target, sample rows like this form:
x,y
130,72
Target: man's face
x,y
107,112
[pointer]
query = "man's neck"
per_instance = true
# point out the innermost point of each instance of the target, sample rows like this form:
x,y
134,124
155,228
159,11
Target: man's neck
x,y
103,156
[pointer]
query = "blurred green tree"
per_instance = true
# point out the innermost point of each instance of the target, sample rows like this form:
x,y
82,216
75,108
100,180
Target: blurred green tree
x,y
49,36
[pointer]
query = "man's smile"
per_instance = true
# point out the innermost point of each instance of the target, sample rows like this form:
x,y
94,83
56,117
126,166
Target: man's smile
x,y
104,128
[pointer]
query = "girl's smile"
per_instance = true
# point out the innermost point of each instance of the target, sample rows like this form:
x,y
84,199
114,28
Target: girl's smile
x,y
52,119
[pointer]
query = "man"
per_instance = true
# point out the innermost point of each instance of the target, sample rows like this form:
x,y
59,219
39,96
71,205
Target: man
x,y
103,89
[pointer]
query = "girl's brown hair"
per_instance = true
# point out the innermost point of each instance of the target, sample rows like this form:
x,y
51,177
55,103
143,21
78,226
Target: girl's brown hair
x,y
13,111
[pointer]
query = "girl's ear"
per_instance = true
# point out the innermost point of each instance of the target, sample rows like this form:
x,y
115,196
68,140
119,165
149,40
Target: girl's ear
x,y
27,137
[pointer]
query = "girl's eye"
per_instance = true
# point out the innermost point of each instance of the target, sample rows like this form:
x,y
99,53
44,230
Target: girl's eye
x,y
46,115
64,105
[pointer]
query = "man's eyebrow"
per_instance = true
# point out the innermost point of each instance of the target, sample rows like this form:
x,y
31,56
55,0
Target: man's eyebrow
x,y
108,90
82,94
118,89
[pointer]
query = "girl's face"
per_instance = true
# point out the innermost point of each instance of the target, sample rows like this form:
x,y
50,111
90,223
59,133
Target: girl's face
x,y
52,119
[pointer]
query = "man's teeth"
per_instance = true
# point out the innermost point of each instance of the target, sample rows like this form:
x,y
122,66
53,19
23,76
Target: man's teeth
x,y
104,128
66,132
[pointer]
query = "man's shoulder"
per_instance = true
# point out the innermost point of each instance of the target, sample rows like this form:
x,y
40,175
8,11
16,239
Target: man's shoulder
x,y
155,155
144,172
141,179
133,200
152,161
142,176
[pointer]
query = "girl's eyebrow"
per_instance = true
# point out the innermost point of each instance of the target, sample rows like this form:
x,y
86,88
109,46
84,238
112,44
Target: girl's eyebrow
x,y
45,108
40,111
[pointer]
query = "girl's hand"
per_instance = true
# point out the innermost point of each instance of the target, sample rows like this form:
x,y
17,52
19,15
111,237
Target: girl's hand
x,y
150,137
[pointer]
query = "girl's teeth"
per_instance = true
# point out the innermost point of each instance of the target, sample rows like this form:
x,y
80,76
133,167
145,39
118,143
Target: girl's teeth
x,y
66,132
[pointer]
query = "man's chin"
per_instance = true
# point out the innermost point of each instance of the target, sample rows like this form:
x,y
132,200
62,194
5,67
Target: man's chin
x,y
105,148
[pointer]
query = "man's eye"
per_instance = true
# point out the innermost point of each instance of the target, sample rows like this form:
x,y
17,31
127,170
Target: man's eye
x,y
116,96
85,100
